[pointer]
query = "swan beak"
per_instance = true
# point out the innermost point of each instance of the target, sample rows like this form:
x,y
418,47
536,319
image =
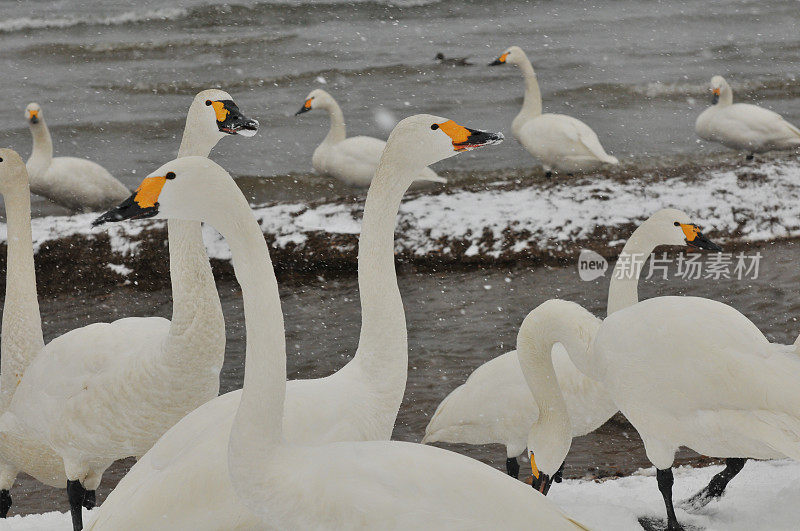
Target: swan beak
x,y
500,60
305,108
34,117
231,121
539,480
695,238
465,139
715,97
143,203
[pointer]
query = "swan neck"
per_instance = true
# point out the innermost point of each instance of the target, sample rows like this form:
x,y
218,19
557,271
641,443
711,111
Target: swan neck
x,y
532,104
21,337
338,131
382,348
725,96
196,308
553,322
42,154
623,291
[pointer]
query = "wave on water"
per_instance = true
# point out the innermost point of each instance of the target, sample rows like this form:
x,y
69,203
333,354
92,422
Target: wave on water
x,y
128,17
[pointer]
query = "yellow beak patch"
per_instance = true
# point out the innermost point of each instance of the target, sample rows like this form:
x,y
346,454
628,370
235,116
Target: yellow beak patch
x,y
534,468
716,91
457,133
148,192
33,114
503,57
690,231
307,104
220,110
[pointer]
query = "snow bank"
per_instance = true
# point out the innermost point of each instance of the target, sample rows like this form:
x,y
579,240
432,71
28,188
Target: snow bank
x,y
499,222
763,496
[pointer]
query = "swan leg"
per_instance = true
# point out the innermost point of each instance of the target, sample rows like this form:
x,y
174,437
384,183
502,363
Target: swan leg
x,y
76,494
548,174
559,475
512,467
5,502
751,156
665,482
716,487
90,500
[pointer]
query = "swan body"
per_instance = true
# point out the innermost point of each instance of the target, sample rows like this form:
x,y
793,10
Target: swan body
x,y
351,160
560,142
742,126
74,183
495,404
345,484
110,390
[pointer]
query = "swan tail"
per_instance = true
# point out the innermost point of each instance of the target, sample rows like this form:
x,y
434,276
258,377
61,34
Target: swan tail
x,y
430,176
610,159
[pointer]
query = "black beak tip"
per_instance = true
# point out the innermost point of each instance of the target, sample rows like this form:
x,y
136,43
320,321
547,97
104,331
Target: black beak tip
x,y
301,111
496,62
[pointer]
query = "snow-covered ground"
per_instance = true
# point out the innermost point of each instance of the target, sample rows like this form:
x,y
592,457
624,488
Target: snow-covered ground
x,y
763,496
750,203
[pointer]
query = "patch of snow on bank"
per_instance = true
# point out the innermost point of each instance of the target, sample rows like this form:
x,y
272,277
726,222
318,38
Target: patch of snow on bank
x,y
763,496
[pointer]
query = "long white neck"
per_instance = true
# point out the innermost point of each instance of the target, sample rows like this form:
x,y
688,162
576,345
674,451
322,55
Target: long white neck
x,y
257,427
338,131
21,337
197,330
383,347
42,154
554,321
623,291
725,96
532,104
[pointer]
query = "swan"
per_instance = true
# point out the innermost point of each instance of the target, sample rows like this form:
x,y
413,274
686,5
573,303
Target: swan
x,y
685,371
94,395
495,405
561,142
21,338
742,126
77,184
314,485
351,160
359,402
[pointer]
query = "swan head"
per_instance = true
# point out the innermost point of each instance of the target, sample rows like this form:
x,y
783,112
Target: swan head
x,y
13,174
190,188
316,99
215,113
33,113
512,56
424,139
674,227
719,88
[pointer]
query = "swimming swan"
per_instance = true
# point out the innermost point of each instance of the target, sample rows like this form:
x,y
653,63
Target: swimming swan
x,y
110,390
742,126
561,142
77,184
351,160
495,405
359,402
685,371
377,484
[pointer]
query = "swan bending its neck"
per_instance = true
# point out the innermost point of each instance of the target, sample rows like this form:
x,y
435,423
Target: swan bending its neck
x,y
21,337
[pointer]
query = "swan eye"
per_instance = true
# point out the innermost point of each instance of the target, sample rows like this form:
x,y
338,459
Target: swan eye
x,y
208,103
435,127
170,175
677,224
1,159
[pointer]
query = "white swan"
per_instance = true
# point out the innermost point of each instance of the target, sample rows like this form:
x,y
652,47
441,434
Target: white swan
x,y
110,390
377,484
21,339
77,184
495,405
742,126
351,160
560,142
685,371
359,402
